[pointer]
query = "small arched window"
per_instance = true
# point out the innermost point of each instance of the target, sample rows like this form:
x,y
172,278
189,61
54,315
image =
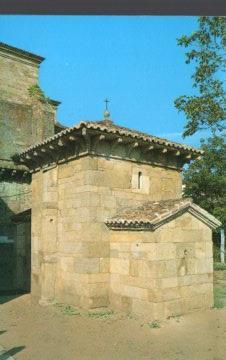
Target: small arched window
x,y
139,180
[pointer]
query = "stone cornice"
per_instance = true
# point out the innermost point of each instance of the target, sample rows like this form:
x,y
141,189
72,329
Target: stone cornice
x,y
19,54
98,138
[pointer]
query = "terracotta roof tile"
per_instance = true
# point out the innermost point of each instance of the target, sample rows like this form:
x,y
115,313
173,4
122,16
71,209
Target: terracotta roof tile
x,y
111,128
153,214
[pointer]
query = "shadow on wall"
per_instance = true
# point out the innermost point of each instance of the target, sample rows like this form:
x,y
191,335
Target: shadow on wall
x,y
6,354
14,251
7,248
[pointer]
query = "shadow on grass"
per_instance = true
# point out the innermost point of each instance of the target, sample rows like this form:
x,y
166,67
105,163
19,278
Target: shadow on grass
x,y
7,354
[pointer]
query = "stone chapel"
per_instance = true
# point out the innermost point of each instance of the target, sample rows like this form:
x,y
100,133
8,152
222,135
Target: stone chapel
x,y
93,215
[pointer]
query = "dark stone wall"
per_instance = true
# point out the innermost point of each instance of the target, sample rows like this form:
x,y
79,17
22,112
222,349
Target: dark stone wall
x,y
22,126
16,125
23,122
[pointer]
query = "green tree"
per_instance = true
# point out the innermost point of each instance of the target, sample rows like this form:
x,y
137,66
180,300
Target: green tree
x,y
205,179
206,108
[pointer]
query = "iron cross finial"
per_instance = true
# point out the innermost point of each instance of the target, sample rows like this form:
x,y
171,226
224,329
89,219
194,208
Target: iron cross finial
x,y
106,103
106,112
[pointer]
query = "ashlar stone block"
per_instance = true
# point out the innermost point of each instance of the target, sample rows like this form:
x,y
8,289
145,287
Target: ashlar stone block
x,y
119,266
87,265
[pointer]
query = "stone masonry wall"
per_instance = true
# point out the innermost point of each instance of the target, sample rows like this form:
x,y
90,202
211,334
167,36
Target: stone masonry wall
x,y
71,247
23,119
163,273
22,123
16,76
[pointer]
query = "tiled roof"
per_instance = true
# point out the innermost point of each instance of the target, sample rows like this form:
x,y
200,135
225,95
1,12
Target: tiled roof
x,y
111,128
59,127
153,214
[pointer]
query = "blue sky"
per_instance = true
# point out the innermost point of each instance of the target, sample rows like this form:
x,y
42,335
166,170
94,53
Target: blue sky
x,y
132,60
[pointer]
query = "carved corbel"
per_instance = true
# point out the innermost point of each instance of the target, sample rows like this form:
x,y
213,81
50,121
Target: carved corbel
x,y
30,160
75,141
87,139
97,140
63,148
37,158
36,154
102,137
132,147
62,142
33,161
44,153
186,157
41,154
115,143
148,148
25,174
20,160
49,152
72,138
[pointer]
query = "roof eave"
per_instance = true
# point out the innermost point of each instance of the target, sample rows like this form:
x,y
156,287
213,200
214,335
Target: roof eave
x,y
96,127
21,53
204,216
141,225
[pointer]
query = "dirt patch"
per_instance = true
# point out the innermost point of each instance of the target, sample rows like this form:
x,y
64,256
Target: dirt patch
x,y
32,332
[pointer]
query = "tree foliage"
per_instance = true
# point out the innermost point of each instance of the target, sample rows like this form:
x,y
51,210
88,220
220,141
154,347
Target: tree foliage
x,y
206,108
205,179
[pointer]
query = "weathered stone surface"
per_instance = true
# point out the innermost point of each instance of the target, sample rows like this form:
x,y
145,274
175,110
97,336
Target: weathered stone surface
x,y
75,257
169,275
87,266
22,123
154,274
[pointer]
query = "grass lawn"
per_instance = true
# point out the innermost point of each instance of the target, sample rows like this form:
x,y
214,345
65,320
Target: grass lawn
x,y
219,296
219,266
219,285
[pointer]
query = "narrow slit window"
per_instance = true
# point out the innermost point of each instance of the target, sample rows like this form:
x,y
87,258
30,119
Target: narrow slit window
x,y
139,180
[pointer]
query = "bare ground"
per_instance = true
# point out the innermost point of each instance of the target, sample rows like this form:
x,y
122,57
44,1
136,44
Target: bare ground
x,y
32,332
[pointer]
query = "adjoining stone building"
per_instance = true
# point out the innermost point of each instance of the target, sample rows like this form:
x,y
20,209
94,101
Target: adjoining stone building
x,y
109,225
23,122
